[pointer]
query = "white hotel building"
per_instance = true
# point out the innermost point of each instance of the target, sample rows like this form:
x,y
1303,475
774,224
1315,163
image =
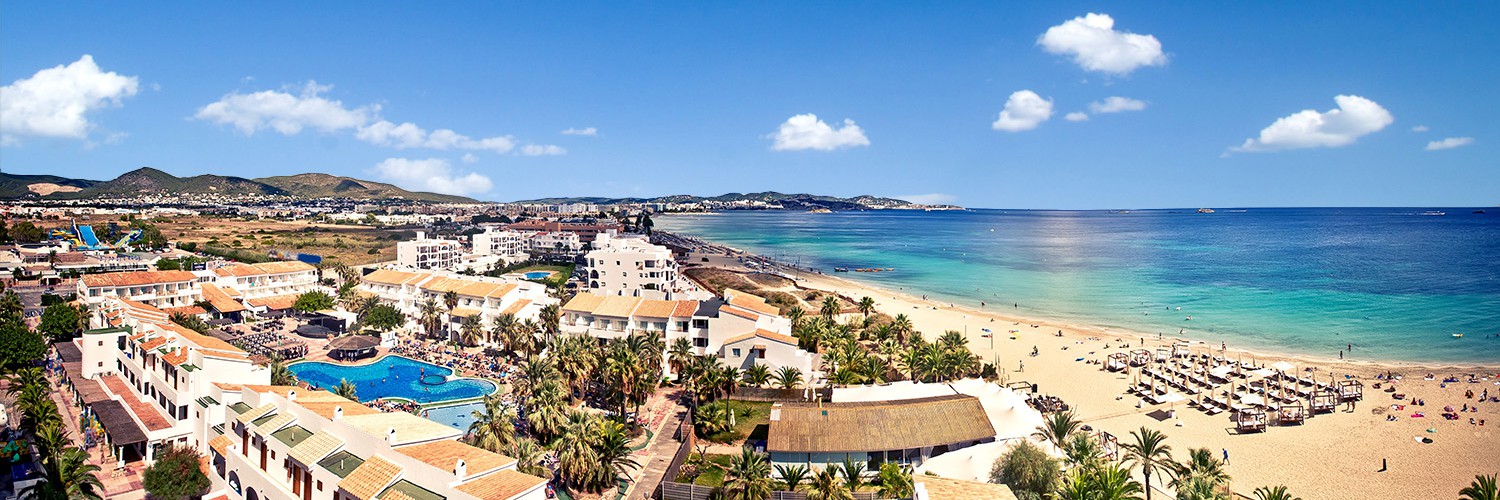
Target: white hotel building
x,y
228,290
632,266
485,297
424,253
741,329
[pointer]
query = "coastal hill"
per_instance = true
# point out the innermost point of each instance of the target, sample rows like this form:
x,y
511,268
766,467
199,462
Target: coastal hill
x,y
798,201
150,180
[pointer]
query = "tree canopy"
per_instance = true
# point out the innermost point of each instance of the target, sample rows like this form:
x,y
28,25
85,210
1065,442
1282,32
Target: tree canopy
x,y
175,475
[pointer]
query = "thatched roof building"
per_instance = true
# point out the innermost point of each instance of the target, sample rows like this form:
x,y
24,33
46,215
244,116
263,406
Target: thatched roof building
x,y
941,421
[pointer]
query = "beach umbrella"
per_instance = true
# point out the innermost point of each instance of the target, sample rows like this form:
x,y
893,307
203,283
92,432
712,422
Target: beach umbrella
x,y
1251,399
1263,372
1283,366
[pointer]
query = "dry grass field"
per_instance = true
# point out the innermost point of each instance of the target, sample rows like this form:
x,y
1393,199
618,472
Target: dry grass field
x,y
353,245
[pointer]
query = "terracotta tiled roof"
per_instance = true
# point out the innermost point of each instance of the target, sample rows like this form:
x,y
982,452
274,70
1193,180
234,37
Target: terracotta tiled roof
x,y
743,313
370,477
276,423
325,408
221,444
502,484
143,411
617,307
942,487
481,289
515,307
137,278
584,302
154,343
463,312
220,301
388,277
275,302
444,453
205,341
229,387
685,309
409,428
265,268
256,412
177,357
231,291
314,448
141,306
187,310
444,285
768,335
656,308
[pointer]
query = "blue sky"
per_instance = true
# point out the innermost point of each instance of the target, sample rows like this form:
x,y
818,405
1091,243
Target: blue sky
x,y
712,98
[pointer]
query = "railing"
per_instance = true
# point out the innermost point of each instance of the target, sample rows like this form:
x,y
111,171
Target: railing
x,y
764,394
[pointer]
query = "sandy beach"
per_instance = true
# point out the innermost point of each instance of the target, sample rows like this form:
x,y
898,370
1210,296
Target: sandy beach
x,y
1346,454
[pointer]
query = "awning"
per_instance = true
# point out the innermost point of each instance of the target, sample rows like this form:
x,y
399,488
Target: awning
x,y
68,351
206,401
90,390
354,343
117,423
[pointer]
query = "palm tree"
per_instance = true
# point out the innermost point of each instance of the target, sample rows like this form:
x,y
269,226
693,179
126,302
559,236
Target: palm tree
x,y
492,428
431,316
866,306
1109,482
902,327
680,355
1057,428
748,476
854,474
280,374
795,314
550,318
528,455
712,418
470,331
450,300
831,307
788,377
577,462
792,475
347,390
70,477
758,375
613,449
1201,469
896,481
1483,488
910,361
501,330
547,413
825,485
1150,452
1082,451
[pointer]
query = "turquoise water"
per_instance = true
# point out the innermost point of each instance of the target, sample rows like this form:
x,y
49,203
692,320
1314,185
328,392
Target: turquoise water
x,y
392,376
537,275
457,416
1392,282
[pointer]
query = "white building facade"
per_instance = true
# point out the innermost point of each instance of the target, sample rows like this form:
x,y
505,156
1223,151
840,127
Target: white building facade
x,y
424,253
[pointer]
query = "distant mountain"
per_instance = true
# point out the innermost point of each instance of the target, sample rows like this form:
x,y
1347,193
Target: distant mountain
x,y
333,186
800,201
150,180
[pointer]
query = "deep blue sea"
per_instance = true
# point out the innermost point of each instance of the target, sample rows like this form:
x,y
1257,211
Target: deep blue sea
x,y
1393,282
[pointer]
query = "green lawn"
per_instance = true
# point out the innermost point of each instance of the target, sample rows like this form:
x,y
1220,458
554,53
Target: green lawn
x,y
709,475
751,419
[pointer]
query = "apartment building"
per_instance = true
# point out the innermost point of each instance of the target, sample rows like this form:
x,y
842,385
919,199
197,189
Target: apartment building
x,y
586,230
160,289
424,253
623,265
150,381
508,245
478,296
268,279
742,330
288,442
554,244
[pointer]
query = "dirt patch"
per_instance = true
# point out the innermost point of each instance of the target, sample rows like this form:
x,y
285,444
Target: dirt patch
x,y
46,188
353,245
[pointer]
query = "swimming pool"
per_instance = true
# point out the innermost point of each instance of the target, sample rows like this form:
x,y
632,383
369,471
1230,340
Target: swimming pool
x,y
393,376
458,416
538,275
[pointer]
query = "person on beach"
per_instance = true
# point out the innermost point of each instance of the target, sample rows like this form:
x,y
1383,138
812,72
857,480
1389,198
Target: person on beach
x,y
1226,456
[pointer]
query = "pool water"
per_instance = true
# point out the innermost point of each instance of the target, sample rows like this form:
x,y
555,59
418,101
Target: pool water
x,y
456,416
538,275
393,376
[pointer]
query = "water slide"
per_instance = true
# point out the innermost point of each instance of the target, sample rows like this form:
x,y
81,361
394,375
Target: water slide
x,y
86,233
135,234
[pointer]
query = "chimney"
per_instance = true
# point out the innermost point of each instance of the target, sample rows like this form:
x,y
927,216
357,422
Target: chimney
x,y
338,413
291,395
390,436
460,469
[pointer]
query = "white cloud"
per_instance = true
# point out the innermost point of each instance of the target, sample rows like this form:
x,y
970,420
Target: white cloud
x,y
1076,116
285,112
806,131
929,198
1024,110
542,150
1116,104
55,102
1096,46
469,158
1354,118
431,174
1419,128
1449,143
590,131
409,135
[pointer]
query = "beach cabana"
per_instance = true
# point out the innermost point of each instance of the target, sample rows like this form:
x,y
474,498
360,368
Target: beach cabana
x,y
1117,361
1163,354
1140,357
1351,390
1291,414
1323,401
1250,420
353,346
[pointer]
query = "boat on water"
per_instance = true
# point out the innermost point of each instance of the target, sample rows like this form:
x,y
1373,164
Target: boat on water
x,y
1433,213
1481,212
1458,335
841,269
1205,210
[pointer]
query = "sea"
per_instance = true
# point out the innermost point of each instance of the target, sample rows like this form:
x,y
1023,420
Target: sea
x,y
1396,283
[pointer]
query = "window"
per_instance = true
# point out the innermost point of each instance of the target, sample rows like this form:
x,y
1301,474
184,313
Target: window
x,y
700,342
736,352
700,323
